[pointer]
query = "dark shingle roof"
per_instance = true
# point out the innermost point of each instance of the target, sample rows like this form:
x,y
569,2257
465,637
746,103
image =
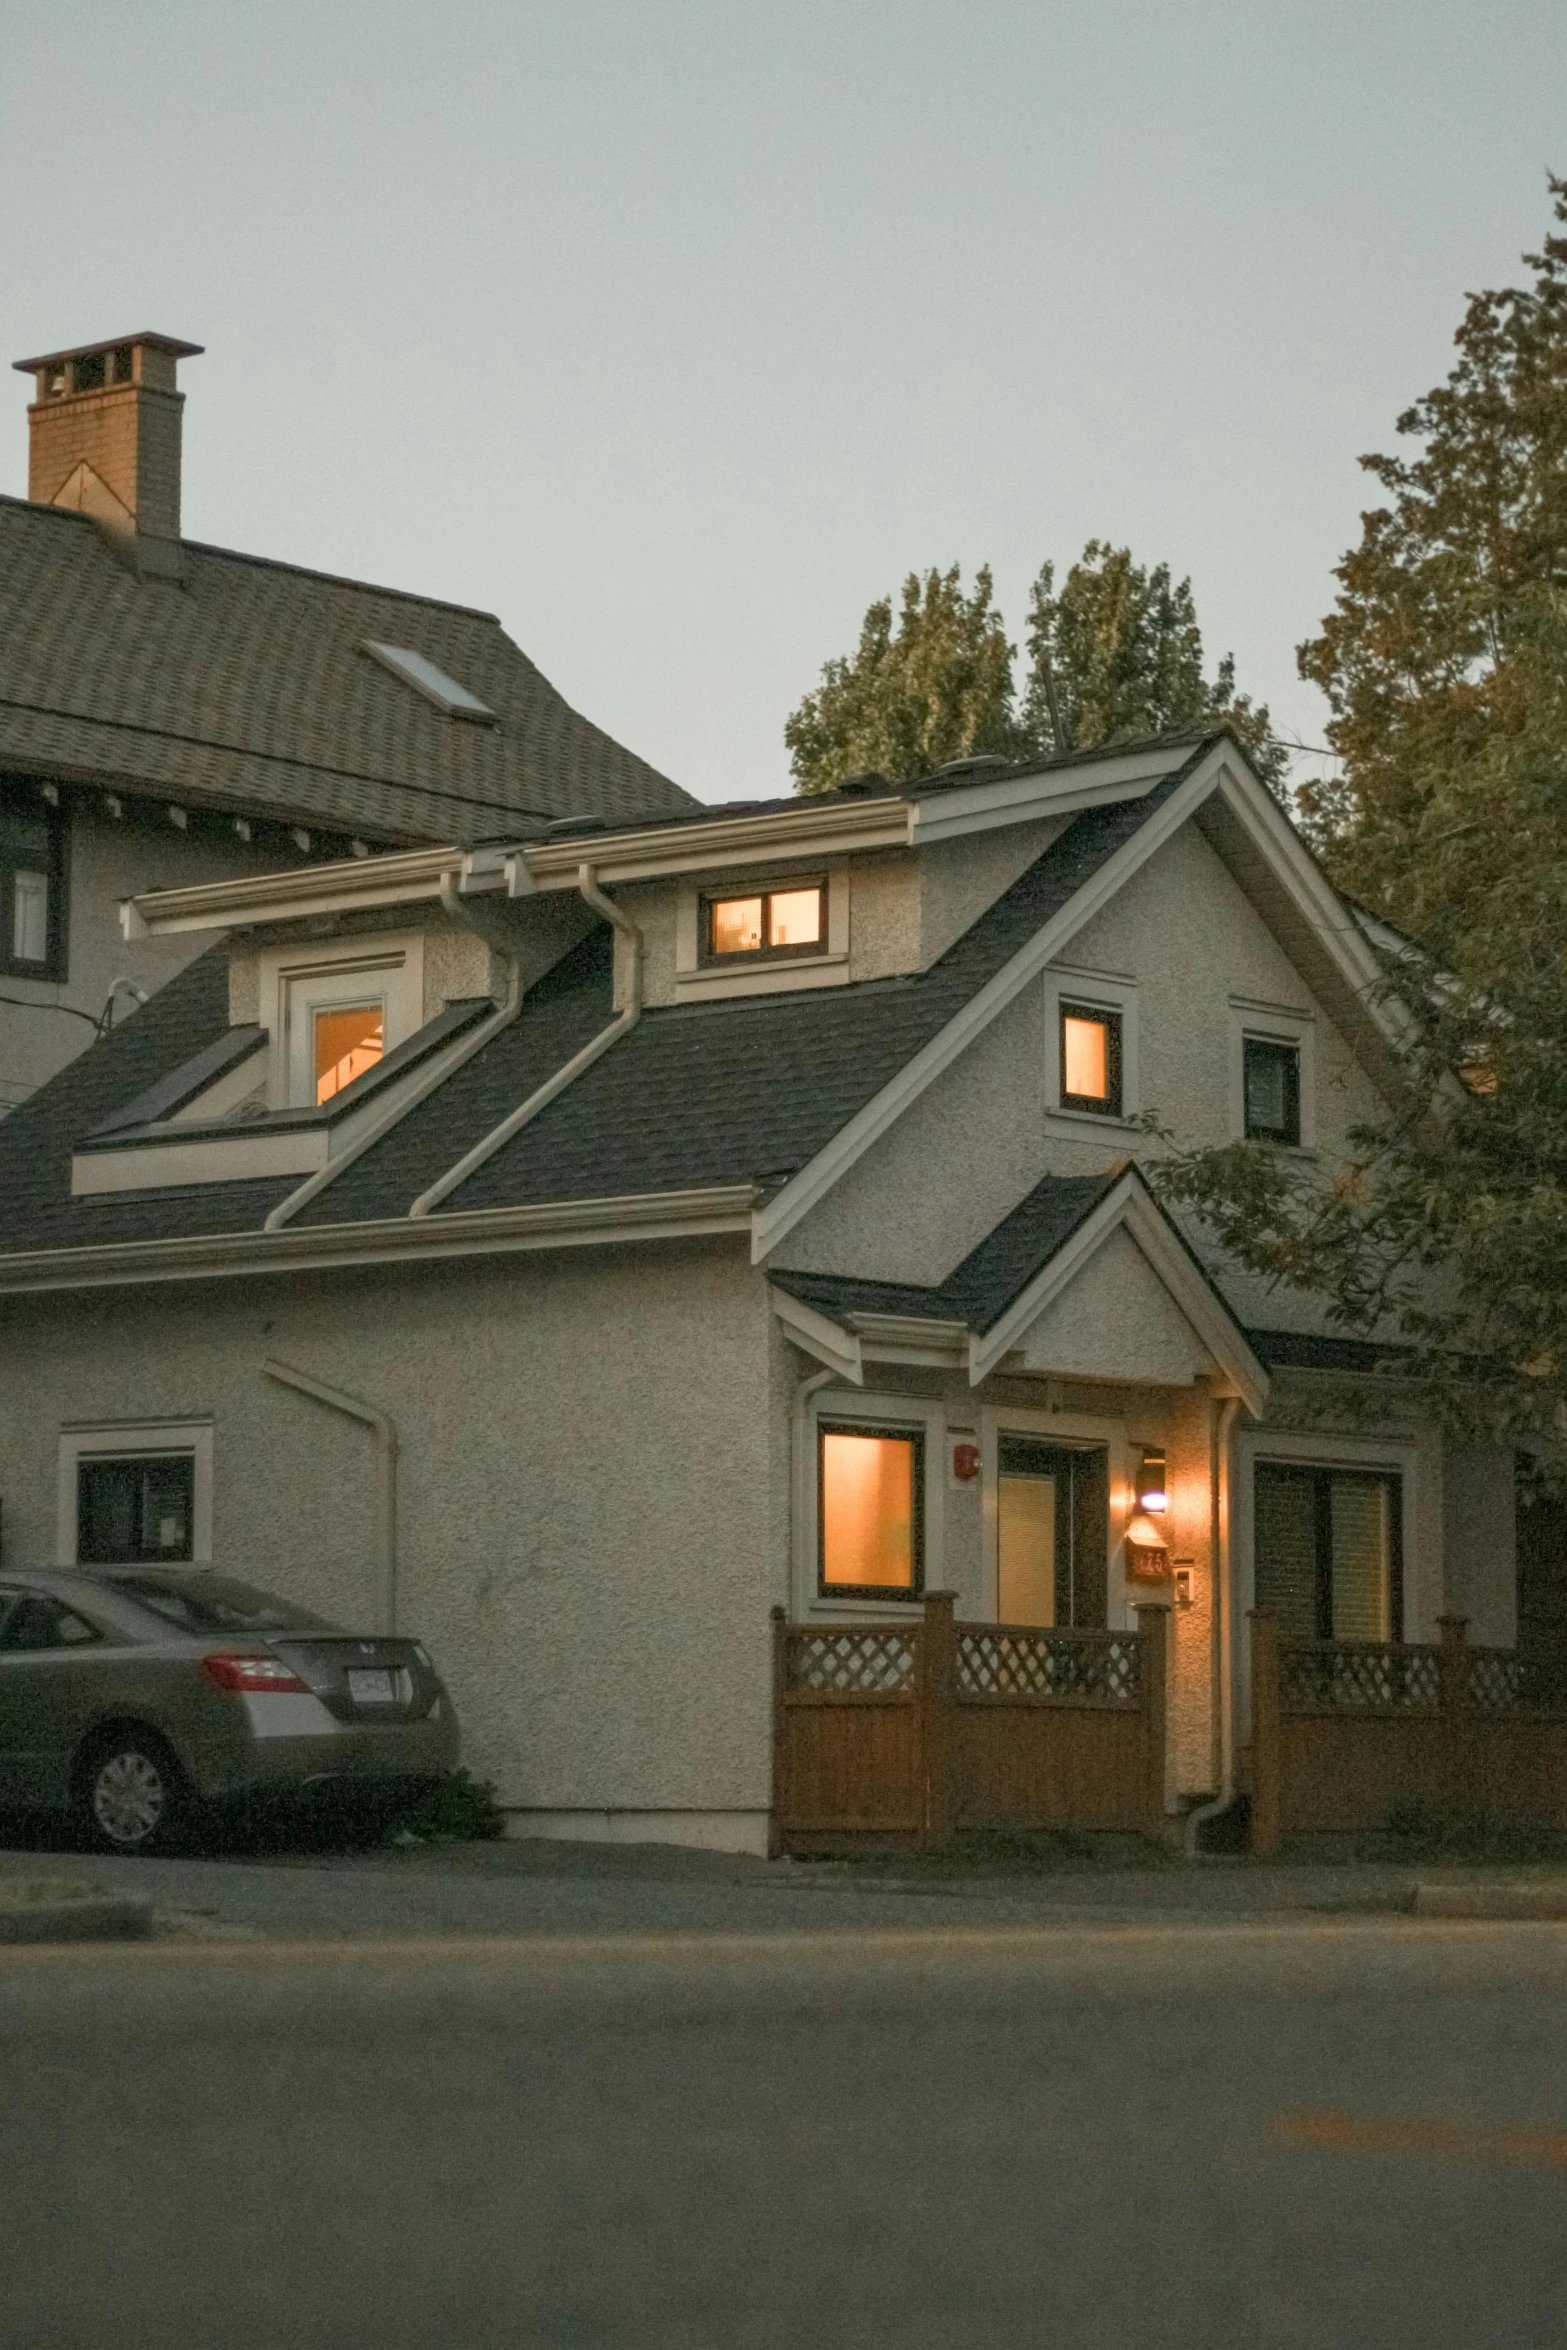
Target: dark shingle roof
x,y
247,689
980,1290
745,1091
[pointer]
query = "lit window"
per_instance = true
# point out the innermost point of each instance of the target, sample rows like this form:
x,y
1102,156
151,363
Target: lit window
x,y
871,1517
1090,1060
768,922
1272,1091
348,1040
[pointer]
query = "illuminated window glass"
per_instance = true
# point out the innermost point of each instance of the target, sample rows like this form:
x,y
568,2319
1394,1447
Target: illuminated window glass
x,y
348,1040
871,1516
769,922
1090,1060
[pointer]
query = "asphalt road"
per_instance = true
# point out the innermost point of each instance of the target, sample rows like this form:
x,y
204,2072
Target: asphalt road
x,y
1283,2134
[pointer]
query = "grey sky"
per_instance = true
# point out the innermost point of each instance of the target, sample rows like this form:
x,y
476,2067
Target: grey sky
x,y
676,330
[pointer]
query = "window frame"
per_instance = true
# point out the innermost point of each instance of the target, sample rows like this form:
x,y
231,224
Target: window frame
x,y
139,1465
1099,994
1287,1052
912,1432
108,1440
1112,1020
1319,1475
710,958
52,965
297,982
1255,1022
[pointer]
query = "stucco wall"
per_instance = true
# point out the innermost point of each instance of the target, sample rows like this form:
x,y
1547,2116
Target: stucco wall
x,y
592,1524
110,859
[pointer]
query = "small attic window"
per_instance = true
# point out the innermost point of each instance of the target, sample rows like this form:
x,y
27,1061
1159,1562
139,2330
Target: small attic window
x,y
417,670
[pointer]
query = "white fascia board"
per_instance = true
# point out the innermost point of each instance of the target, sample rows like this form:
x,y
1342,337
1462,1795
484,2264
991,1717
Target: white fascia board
x,y
803,1191
225,1158
1050,791
404,877
669,1215
794,834
912,1338
839,1349
1129,1208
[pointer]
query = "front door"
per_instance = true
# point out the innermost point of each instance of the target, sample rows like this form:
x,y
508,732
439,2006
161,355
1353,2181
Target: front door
x,y
1053,1532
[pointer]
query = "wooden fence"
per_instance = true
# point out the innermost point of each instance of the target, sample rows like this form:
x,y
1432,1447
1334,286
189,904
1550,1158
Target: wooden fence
x,y
1346,1731
907,1732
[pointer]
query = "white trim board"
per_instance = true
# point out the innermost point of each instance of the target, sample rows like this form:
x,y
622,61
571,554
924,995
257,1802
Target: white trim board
x,y
123,1440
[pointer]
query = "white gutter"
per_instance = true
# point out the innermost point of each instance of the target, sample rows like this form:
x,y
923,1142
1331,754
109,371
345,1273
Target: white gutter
x,y
445,1065
385,1434
1220,1474
540,1099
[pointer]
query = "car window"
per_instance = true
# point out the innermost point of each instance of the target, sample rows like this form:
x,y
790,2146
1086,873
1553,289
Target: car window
x,y
37,1621
216,1603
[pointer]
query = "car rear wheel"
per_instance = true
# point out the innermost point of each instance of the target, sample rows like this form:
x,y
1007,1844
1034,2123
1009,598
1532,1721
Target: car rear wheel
x,y
130,1795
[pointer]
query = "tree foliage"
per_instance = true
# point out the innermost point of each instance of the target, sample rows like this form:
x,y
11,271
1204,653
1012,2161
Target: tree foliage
x,y
1115,656
1446,665
1445,659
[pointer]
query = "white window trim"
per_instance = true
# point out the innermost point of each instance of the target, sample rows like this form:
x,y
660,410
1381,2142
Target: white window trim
x,y
1274,1024
1405,1457
123,1440
1081,1432
1097,991
696,981
296,981
848,1406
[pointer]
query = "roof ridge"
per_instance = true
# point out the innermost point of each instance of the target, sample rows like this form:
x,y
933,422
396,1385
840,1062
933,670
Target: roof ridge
x,y
370,587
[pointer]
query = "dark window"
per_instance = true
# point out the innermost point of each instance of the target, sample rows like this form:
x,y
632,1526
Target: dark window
x,y
1090,1060
790,920
39,1621
1272,1091
32,907
134,1510
1329,1553
871,1511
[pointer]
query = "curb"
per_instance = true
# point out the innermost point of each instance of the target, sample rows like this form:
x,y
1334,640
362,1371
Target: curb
x,y
96,1917
1489,1901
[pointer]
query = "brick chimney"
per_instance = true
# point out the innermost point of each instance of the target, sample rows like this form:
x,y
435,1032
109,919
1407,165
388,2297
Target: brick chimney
x,y
104,436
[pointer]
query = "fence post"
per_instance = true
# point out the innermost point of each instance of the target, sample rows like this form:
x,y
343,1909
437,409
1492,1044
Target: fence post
x,y
938,1678
1455,1712
1153,1626
1267,1793
775,1832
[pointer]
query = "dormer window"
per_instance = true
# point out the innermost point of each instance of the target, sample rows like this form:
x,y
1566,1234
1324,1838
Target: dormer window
x,y
333,1017
788,921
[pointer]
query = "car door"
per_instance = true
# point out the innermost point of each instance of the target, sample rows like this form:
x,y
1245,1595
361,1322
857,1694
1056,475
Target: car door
x,y
48,1691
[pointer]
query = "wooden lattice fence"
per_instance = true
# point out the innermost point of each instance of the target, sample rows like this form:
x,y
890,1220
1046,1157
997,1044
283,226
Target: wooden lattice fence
x,y
909,1732
1345,1732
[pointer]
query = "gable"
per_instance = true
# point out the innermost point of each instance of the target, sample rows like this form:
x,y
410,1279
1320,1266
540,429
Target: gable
x,y
1116,1320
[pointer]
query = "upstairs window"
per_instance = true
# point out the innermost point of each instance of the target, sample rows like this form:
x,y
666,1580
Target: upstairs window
x,y
31,929
1090,1059
348,1039
871,1484
790,921
1272,1089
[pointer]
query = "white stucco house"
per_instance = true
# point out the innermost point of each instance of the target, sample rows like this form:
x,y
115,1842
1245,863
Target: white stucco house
x,y
730,1210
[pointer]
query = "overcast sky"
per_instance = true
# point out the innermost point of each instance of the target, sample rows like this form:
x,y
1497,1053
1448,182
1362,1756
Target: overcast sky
x,y
674,331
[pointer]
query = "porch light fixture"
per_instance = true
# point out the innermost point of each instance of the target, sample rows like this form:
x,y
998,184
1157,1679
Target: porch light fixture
x,y
1147,1558
1152,1499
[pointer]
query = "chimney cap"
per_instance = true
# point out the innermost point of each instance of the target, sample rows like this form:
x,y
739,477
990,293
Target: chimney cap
x,y
170,343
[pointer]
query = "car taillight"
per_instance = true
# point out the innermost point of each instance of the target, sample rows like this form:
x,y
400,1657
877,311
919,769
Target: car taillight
x,y
252,1674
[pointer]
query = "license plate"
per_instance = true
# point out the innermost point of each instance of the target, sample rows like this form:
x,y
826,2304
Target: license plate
x,y
371,1688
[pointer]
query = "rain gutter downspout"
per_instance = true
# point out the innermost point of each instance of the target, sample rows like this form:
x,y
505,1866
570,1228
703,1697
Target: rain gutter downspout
x,y
386,1439
446,1065
591,895
1221,1480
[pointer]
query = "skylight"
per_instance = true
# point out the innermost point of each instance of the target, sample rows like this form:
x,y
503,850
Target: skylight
x,y
417,670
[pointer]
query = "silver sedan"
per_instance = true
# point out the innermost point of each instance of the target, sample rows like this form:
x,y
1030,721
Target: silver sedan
x,y
131,1695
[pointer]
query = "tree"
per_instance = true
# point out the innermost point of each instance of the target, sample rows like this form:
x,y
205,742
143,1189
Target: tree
x,y
1445,659
1445,662
1116,656
936,688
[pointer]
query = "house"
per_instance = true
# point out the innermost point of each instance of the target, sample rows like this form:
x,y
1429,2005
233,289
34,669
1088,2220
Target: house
x,y
575,1247
172,712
